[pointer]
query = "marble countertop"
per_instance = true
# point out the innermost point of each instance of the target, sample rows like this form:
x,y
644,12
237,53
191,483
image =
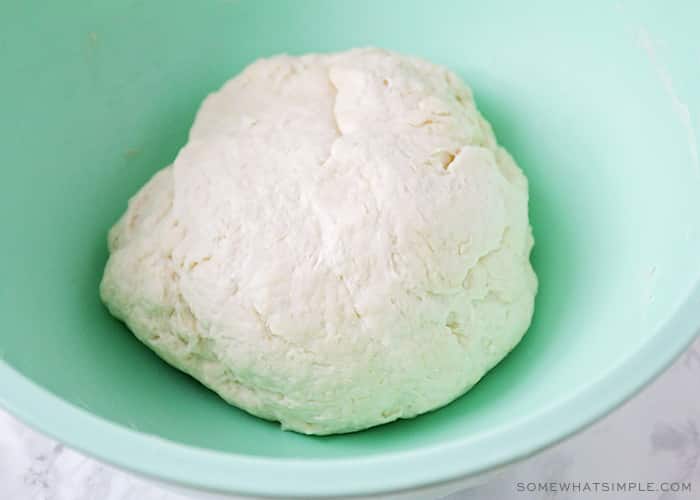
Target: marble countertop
x,y
655,437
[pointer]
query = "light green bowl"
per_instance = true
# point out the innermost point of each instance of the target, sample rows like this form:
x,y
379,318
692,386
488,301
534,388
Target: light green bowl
x,y
599,102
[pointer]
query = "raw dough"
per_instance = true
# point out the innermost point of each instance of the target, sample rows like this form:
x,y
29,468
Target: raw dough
x,y
341,243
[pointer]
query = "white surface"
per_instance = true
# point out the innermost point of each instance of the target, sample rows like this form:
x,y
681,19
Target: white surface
x,y
339,228
654,437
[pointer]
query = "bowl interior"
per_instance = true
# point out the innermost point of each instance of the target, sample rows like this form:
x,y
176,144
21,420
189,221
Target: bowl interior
x,y
595,107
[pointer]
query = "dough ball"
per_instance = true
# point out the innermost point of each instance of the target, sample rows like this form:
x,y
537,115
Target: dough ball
x,y
340,244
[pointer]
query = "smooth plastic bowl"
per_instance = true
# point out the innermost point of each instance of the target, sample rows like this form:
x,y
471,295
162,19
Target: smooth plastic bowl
x,y
598,101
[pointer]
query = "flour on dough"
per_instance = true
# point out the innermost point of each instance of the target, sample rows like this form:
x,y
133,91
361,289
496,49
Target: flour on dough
x,y
341,243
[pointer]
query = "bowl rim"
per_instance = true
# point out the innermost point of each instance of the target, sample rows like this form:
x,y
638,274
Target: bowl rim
x,y
210,470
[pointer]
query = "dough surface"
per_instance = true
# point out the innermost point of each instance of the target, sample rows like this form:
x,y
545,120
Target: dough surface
x,y
341,243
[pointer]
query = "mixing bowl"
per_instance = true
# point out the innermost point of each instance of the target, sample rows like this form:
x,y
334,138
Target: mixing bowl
x,y
598,101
